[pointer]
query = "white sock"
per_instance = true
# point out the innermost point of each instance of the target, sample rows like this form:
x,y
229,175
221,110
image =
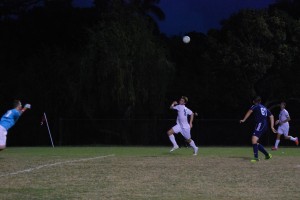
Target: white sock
x,y
172,139
277,143
192,144
292,138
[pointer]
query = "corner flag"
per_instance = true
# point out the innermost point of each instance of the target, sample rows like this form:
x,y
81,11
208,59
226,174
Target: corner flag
x,y
44,119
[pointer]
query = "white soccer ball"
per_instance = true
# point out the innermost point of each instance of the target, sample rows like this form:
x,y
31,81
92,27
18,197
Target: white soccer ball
x,y
186,39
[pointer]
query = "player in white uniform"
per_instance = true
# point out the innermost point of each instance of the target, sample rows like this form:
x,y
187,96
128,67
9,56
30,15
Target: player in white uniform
x,y
283,128
182,126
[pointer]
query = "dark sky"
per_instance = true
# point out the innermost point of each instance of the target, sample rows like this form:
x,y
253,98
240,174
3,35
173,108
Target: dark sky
x,y
184,16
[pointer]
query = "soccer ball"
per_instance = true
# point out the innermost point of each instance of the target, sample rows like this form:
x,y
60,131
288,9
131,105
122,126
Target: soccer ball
x,y
186,39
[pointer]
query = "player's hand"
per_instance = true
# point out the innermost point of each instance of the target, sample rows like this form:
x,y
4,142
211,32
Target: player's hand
x,y
274,130
28,106
174,103
242,121
191,125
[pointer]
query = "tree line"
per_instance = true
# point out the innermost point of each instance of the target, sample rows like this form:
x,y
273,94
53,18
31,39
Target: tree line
x,y
111,60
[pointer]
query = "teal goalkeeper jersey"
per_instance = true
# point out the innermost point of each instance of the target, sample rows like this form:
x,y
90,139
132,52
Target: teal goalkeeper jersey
x,y
10,118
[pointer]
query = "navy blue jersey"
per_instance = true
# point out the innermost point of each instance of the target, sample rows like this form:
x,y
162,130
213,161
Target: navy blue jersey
x,y
261,113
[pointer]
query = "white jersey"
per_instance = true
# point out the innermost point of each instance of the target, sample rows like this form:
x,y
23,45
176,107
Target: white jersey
x,y
283,115
182,116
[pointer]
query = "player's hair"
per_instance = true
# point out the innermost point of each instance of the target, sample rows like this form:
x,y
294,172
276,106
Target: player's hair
x,y
257,99
185,99
16,103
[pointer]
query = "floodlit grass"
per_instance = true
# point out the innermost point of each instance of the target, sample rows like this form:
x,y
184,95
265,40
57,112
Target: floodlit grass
x,y
147,173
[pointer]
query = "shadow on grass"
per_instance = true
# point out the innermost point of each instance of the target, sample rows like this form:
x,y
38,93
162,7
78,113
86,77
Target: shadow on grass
x,y
240,157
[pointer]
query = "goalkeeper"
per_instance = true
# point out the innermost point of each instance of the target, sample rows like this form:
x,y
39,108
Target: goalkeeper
x,y
9,119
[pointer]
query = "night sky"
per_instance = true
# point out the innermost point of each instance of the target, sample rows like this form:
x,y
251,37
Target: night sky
x,y
184,16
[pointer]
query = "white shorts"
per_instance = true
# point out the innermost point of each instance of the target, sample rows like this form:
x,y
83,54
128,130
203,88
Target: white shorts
x,y
3,133
185,132
283,129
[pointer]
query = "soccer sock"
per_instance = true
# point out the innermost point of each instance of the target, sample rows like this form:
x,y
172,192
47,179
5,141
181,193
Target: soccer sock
x,y
292,138
262,149
172,139
255,150
192,144
277,143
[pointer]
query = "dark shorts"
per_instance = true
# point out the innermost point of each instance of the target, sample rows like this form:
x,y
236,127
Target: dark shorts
x,y
260,128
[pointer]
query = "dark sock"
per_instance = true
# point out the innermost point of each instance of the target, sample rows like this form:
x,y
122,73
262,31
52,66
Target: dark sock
x,y
255,150
262,149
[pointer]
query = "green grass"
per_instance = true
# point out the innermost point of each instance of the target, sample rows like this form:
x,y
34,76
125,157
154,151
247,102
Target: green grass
x,y
147,173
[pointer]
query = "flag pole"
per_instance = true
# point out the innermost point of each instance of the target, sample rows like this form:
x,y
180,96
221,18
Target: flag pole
x,y
48,129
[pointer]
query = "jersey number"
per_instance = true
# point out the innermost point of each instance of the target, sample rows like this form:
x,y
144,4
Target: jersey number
x,y
8,113
263,111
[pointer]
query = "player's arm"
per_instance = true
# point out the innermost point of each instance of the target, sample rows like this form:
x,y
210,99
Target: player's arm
x,y
272,123
191,120
284,121
173,104
26,107
246,116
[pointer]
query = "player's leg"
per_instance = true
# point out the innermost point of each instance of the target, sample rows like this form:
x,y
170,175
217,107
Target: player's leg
x,y
186,133
261,147
3,134
294,139
254,141
264,151
288,137
277,140
258,147
193,145
171,132
255,137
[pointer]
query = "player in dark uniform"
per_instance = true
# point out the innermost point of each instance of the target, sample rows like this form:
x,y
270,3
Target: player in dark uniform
x,y
261,115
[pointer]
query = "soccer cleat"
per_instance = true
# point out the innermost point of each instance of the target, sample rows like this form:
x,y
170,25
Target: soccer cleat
x,y
254,160
195,151
174,148
274,149
297,141
269,156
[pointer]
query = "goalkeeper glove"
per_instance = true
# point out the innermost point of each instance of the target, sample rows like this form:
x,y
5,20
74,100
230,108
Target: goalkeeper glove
x,y
27,106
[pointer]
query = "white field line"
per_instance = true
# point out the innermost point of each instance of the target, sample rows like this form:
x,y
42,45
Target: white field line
x,y
53,164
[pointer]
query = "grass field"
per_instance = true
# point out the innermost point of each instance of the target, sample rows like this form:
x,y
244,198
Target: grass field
x,y
147,173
